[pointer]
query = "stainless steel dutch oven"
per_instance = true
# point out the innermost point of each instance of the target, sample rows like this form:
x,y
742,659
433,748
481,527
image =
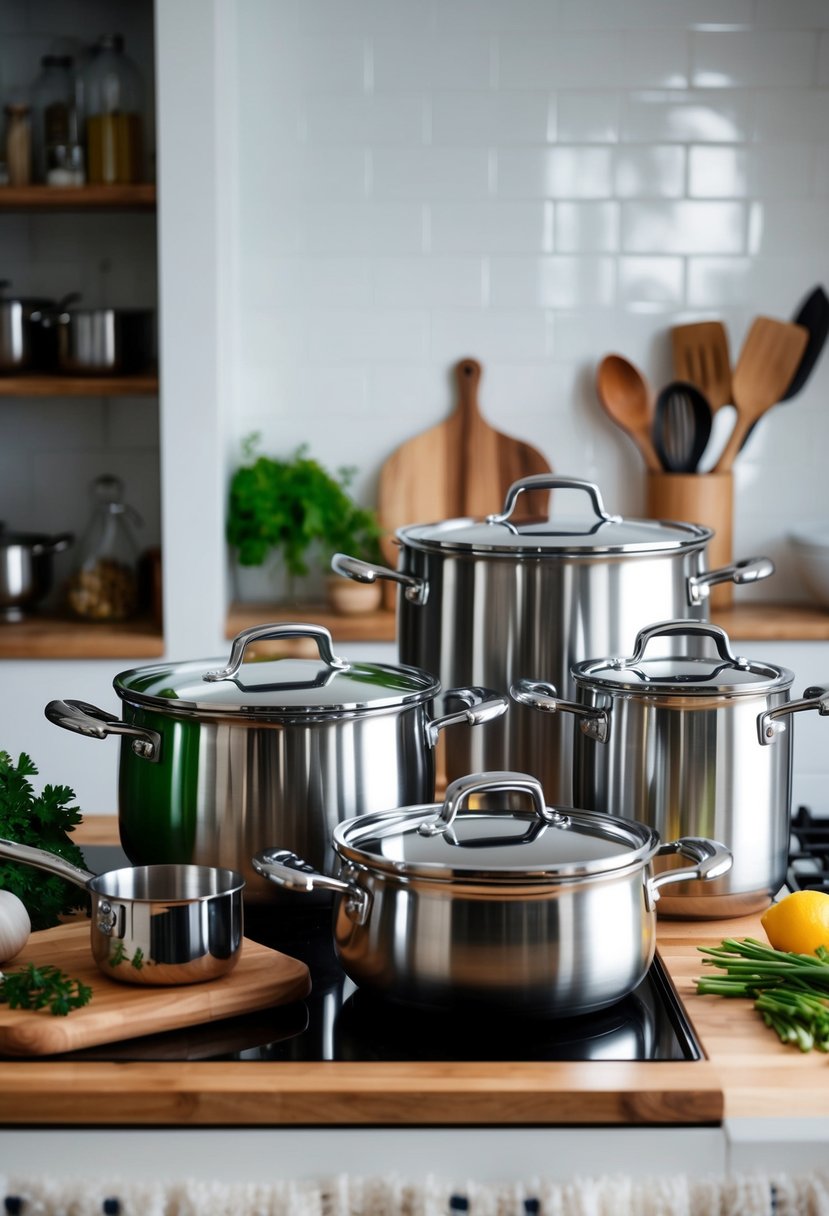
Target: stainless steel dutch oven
x,y
23,343
697,742
26,569
489,601
216,761
155,925
539,910
100,341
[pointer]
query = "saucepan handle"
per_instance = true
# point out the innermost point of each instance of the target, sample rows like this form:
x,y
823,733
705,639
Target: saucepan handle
x,y
481,705
749,570
416,590
289,871
772,723
711,860
538,694
41,860
85,719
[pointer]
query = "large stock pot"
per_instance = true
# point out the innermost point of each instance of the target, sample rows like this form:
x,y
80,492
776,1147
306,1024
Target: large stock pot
x,y
694,743
488,601
217,761
528,907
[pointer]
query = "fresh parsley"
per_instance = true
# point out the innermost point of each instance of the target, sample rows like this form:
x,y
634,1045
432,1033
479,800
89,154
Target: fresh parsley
x,y
36,987
43,820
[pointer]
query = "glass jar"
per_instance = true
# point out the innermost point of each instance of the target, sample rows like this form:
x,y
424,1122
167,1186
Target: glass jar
x,y
18,142
105,585
112,99
57,151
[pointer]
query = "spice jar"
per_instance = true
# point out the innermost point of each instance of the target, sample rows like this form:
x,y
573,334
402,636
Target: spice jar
x,y
58,155
105,585
18,142
112,92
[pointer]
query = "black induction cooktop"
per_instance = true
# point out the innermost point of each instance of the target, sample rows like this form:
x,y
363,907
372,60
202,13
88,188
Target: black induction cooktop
x,y
337,1021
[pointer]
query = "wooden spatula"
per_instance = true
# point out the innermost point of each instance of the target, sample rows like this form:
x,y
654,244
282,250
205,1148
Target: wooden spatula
x,y
460,467
700,354
769,358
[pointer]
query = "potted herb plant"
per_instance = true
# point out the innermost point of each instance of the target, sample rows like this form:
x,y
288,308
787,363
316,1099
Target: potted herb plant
x,y
296,511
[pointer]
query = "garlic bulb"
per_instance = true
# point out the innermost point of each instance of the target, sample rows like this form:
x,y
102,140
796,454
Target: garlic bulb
x,y
15,925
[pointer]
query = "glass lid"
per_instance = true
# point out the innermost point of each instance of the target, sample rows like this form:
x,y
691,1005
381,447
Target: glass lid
x,y
591,534
286,686
536,843
687,673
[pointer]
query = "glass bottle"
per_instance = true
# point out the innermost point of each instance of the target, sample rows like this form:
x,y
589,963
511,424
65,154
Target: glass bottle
x,y
112,100
18,142
58,155
105,585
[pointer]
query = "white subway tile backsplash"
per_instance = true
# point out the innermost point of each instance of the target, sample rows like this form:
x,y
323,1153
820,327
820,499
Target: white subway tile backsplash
x,y
719,282
752,58
586,227
430,173
538,16
791,225
683,227
305,172
306,281
823,61
638,59
648,280
279,61
552,282
588,117
428,281
822,170
487,333
560,172
688,117
332,119
488,227
653,14
490,118
334,227
794,14
796,114
770,171
649,172
358,334
446,61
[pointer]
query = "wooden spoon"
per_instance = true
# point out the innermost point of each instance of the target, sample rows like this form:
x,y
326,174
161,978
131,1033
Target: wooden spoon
x,y
626,398
768,360
700,353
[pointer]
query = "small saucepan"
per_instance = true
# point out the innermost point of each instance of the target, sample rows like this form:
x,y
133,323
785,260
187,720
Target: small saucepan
x,y
155,925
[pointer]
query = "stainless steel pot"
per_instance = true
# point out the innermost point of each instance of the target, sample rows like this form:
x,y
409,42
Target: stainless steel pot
x,y
23,344
155,925
101,341
490,601
26,569
216,761
542,911
690,743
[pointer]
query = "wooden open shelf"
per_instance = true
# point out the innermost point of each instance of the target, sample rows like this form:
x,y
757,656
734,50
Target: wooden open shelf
x,y
774,622
37,384
141,197
57,637
377,626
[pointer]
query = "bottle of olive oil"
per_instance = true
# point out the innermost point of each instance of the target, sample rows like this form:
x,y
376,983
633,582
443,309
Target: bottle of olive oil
x,y
112,100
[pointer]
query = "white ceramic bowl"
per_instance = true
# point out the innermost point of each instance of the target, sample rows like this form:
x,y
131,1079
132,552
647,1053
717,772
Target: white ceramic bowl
x,y
810,546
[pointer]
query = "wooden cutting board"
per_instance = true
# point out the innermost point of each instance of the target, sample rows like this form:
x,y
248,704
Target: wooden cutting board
x,y
261,978
461,467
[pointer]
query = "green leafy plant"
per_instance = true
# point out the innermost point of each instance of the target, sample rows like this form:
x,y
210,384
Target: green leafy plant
x,y
43,820
36,987
296,508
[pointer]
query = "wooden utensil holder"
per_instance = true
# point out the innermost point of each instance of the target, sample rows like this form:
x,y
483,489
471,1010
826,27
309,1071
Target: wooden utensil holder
x,y
699,498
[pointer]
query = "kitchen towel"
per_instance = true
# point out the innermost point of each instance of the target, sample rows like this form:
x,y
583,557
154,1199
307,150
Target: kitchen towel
x,y
739,1195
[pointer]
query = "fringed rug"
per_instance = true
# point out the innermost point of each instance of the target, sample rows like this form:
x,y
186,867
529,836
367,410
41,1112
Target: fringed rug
x,y
744,1195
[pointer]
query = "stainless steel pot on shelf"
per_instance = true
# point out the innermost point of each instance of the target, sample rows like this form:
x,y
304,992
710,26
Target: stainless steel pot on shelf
x,y
23,344
489,601
26,569
695,742
541,910
100,341
218,760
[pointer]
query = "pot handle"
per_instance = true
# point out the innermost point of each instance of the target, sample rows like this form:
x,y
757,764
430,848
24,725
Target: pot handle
x,y
711,859
482,705
416,590
54,544
683,628
85,719
41,860
548,481
261,633
461,790
284,868
595,723
749,570
770,724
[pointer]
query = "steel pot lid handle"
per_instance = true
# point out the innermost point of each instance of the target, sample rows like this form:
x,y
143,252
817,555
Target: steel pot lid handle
x,y
683,628
461,790
538,694
53,544
84,719
771,723
287,870
415,589
41,860
548,481
749,570
261,633
482,705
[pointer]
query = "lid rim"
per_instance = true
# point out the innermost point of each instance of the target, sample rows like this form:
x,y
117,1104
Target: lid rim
x,y
687,538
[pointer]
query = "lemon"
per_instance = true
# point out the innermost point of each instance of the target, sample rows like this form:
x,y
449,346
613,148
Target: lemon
x,y
799,922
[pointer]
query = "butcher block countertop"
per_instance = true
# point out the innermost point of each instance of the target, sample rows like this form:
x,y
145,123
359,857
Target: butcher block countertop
x,y
747,1072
